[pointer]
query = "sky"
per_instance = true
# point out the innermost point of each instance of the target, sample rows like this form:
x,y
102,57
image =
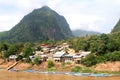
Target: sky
x,y
91,15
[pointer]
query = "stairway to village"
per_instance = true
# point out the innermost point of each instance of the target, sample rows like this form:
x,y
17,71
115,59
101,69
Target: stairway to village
x,y
11,66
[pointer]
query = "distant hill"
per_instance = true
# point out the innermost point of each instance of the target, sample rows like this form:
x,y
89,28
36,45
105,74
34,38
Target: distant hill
x,y
80,33
117,27
40,24
3,35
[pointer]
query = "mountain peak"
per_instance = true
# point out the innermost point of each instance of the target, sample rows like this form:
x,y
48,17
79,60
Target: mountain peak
x,y
41,24
45,7
42,10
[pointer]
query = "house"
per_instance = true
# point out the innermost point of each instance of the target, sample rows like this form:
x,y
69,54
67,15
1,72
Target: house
x,y
44,45
38,53
44,57
50,56
12,57
77,58
58,56
59,47
31,57
41,54
70,50
65,45
52,50
46,50
68,58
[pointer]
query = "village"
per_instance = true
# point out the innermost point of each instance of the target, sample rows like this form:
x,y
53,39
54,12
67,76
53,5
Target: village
x,y
61,58
61,53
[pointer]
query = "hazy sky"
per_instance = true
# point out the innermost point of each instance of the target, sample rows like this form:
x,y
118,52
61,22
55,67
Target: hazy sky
x,y
95,15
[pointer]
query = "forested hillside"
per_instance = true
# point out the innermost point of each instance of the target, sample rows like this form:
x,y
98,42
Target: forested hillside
x,y
104,47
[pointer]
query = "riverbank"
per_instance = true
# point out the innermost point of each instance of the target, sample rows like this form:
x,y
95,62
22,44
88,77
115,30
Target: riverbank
x,y
8,75
108,67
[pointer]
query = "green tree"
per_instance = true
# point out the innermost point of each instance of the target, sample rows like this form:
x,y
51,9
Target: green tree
x,y
28,51
101,49
12,50
39,48
6,55
3,46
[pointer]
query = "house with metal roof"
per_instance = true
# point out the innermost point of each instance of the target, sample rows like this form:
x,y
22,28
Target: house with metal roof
x,y
68,58
58,56
77,58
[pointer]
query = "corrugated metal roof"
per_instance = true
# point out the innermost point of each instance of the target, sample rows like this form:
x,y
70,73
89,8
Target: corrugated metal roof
x,y
59,54
69,55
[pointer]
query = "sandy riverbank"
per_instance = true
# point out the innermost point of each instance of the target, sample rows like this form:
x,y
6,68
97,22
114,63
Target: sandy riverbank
x,y
6,75
108,66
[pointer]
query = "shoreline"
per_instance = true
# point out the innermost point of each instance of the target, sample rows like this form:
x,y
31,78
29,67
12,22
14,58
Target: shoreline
x,y
79,74
8,75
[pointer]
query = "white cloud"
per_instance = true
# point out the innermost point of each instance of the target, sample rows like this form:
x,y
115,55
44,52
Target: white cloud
x,y
53,3
97,15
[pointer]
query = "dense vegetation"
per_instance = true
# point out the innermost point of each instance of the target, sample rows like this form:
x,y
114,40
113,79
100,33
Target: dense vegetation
x,y
15,49
40,24
81,33
104,47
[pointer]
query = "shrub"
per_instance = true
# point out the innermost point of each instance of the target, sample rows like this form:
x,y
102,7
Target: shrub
x,y
37,61
77,69
86,70
90,60
20,57
50,64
